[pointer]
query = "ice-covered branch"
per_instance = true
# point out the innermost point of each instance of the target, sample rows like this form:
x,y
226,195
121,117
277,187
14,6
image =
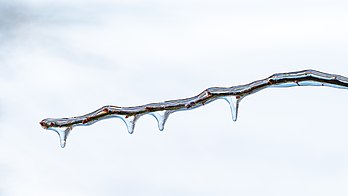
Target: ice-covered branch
x,y
233,95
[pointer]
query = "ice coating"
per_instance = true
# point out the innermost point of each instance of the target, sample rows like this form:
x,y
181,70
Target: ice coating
x,y
162,110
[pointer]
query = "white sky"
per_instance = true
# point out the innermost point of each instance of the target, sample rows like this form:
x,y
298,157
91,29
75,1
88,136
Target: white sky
x,y
66,59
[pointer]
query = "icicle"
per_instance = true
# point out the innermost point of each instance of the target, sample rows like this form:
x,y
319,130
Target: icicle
x,y
130,122
63,134
161,117
233,101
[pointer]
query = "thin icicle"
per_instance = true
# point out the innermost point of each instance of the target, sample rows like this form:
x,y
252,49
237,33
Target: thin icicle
x,y
161,117
63,134
233,101
130,122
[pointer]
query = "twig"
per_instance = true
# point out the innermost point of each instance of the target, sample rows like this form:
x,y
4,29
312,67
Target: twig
x,y
162,110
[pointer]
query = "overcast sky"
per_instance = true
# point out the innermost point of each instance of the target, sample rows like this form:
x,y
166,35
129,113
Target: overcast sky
x,y
68,58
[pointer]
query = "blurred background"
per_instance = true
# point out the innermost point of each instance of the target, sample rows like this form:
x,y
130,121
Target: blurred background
x,y
68,58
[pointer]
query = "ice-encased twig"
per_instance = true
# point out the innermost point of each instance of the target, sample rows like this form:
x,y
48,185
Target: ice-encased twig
x,y
162,110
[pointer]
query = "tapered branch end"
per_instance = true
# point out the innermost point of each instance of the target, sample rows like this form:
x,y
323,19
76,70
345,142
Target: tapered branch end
x,y
44,124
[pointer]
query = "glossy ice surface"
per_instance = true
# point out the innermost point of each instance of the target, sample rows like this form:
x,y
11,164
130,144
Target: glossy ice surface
x,y
233,95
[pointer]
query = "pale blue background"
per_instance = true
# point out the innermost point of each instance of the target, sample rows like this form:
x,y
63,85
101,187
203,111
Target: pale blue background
x,y
63,58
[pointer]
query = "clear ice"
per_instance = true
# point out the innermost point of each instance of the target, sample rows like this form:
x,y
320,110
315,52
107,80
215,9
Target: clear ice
x,y
62,133
130,122
233,101
162,110
161,117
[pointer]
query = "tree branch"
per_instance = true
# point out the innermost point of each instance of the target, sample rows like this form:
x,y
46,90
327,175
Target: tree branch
x,y
233,95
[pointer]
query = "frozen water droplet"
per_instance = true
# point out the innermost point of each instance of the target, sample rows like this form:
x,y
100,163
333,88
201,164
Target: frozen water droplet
x,y
63,134
161,117
130,122
233,101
